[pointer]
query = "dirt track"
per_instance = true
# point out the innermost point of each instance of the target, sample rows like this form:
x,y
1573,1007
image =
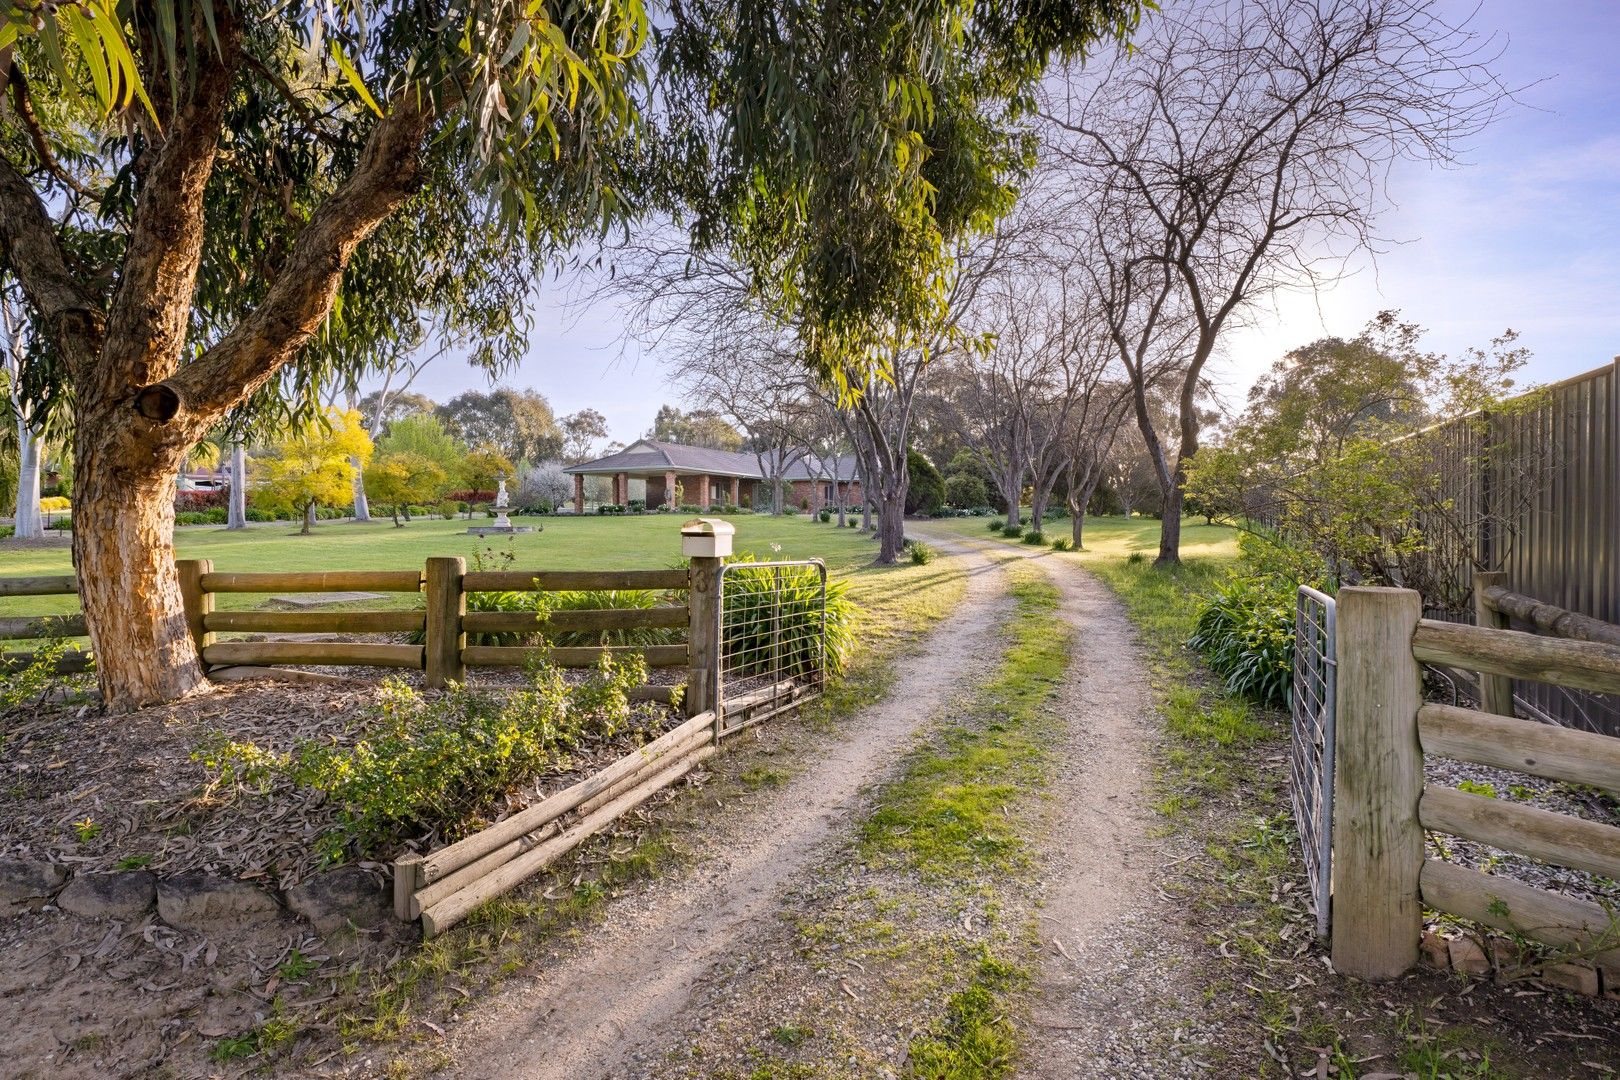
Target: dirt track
x,y
609,1008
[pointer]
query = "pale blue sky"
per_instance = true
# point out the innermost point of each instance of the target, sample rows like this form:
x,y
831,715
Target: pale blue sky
x,y
1526,235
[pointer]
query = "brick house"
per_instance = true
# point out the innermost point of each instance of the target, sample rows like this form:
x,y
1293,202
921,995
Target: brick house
x,y
676,474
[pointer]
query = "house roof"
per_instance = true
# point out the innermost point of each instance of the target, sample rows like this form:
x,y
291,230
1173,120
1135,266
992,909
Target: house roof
x,y
652,458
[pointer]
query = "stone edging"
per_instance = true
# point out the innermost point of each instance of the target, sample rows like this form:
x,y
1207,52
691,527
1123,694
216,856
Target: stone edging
x,y
193,900
1465,956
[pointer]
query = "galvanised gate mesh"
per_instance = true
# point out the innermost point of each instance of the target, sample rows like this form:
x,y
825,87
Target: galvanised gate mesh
x,y
773,640
1310,759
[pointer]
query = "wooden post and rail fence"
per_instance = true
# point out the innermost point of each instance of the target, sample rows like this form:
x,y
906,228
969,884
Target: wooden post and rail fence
x,y
443,623
1382,878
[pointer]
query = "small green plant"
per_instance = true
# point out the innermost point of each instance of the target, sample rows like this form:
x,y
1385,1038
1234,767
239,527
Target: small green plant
x,y
921,553
1035,538
996,524
86,830
234,1048
296,966
133,862
790,1034
31,683
1012,530
1522,792
1477,787
1063,543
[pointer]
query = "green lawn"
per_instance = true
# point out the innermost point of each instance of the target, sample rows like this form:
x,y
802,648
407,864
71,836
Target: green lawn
x,y
565,543
1112,538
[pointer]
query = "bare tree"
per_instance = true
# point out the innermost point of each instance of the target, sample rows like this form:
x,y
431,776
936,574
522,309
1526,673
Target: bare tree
x,y
1241,148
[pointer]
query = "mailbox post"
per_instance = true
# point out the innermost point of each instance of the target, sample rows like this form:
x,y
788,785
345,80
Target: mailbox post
x,y
706,542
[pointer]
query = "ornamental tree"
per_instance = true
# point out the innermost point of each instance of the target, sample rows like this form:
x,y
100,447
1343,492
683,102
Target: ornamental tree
x,y
403,480
313,465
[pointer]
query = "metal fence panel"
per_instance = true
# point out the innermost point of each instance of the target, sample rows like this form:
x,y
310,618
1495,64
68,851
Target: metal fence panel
x,y
1552,482
1310,758
773,640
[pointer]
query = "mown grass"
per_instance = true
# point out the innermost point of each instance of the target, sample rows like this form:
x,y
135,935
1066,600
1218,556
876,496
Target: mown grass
x,y
566,543
946,813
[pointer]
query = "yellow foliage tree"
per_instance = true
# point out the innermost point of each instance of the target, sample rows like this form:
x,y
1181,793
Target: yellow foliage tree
x,y
312,465
398,480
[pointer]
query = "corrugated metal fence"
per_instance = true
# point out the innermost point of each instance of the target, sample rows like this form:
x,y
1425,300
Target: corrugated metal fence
x,y
1537,493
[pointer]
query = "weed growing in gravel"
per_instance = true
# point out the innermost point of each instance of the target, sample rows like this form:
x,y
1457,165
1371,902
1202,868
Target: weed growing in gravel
x,y
975,1041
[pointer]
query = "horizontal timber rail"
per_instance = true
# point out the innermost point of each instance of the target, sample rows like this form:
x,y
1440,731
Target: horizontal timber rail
x,y
1550,619
1576,757
54,585
1583,665
323,581
657,656
313,652
571,580
1382,877
41,626
443,887
664,616
30,627
315,622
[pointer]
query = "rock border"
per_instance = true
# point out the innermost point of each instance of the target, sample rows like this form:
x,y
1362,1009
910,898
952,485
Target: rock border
x,y
1505,962
193,900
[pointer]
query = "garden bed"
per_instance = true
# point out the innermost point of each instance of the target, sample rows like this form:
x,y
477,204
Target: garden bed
x,y
99,794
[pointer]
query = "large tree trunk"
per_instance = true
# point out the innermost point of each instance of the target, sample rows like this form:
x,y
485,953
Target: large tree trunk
x,y
1079,499
362,509
1170,525
29,524
892,524
123,547
309,518
236,516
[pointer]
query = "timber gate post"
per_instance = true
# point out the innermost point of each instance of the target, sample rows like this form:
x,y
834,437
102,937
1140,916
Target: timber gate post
x,y
1377,840
446,604
705,542
1495,691
198,602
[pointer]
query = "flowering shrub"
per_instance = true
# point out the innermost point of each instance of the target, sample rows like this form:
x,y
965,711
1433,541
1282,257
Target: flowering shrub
x,y
191,502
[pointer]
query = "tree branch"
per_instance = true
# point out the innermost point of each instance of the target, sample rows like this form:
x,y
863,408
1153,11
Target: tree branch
x,y
69,315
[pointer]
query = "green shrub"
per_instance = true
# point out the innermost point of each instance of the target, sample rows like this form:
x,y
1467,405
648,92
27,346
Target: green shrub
x,y
443,765
1062,543
61,523
448,509
28,683
750,621
601,599
825,516
7,531
1035,536
921,553
1012,530
1246,633
997,524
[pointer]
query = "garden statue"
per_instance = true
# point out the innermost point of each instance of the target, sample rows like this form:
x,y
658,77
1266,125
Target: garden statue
x,y
502,523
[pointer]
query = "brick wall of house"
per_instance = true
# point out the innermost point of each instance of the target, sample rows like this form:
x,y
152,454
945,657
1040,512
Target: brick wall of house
x,y
799,493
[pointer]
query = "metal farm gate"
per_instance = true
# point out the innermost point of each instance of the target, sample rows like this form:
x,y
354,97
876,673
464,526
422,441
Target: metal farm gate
x,y
1310,756
773,640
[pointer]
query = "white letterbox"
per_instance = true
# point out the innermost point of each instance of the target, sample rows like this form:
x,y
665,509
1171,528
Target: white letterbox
x,y
707,538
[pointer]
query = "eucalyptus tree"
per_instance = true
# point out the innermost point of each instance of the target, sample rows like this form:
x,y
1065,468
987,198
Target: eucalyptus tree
x,y
1240,148
266,189
28,432
219,203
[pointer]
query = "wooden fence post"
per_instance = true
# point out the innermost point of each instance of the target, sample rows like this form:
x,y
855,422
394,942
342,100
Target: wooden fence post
x,y
1378,780
1495,691
446,604
199,604
703,632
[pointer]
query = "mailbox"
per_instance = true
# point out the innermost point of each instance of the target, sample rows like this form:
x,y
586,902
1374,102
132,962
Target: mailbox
x,y
706,538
